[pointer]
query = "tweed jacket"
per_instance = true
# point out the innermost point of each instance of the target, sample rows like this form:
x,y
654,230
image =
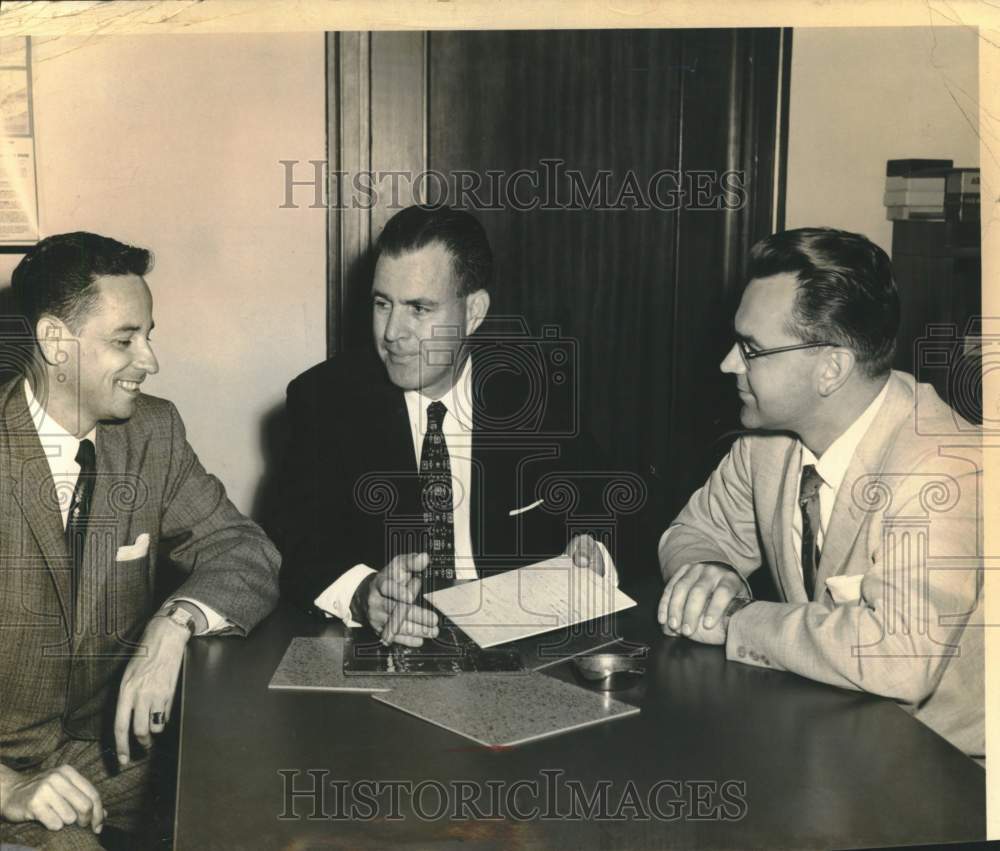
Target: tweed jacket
x,y
62,653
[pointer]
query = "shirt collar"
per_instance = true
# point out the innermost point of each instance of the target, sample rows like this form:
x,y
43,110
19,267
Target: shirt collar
x,y
832,465
45,425
458,399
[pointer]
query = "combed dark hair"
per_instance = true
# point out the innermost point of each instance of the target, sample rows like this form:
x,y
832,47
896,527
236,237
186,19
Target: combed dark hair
x,y
415,227
846,295
57,275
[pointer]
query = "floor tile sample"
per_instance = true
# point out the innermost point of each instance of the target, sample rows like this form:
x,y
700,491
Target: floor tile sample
x,y
505,709
317,664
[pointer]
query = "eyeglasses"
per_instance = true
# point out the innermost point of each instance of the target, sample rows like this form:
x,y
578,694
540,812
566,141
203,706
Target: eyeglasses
x,y
749,354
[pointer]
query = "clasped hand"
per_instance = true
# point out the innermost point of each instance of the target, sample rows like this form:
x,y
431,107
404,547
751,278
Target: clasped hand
x,y
55,797
695,600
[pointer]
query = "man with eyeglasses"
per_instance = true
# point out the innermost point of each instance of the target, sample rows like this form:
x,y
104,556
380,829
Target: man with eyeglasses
x,y
857,486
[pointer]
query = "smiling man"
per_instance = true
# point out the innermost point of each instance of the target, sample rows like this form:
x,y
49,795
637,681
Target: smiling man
x,y
858,488
400,476
100,489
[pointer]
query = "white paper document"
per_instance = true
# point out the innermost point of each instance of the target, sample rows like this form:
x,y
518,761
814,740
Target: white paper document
x,y
520,603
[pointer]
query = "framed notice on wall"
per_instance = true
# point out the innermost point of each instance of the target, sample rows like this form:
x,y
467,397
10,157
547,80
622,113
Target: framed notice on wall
x,y
18,188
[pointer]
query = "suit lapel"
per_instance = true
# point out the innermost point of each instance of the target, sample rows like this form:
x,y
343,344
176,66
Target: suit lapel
x,y
869,458
108,526
390,442
787,571
493,464
112,473
34,492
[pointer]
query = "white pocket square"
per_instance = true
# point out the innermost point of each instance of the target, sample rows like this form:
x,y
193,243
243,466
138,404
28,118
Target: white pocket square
x,y
515,511
134,551
845,589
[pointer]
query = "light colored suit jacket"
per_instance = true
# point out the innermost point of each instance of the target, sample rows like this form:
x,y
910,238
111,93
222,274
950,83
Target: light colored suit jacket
x,y
60,663
902,615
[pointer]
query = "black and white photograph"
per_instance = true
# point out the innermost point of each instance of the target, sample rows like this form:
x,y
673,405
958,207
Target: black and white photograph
x,y
529,426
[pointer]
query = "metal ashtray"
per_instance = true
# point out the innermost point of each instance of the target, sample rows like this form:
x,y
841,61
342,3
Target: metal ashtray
x,y
612,670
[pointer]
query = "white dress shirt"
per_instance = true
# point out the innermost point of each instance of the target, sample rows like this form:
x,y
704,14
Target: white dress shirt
x,y
457,427
60,449
832,467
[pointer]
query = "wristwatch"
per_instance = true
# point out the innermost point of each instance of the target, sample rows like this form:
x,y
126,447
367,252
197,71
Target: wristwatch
x,y
734,606
180,615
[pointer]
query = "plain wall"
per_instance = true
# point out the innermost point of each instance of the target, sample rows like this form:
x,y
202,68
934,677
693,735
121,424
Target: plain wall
x,y
173,142
860,97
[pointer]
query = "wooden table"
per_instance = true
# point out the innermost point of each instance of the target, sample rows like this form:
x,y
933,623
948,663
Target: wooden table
x,y
722,756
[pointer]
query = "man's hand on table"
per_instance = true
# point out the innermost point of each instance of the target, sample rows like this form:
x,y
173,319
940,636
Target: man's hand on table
x,y
386,601
696,601
147,689
55,797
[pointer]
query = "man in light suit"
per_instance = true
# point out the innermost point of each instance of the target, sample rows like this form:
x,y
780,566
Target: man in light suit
x,y
858,488
371,430
100,487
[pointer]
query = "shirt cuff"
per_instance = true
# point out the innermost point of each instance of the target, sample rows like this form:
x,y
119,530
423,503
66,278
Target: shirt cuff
x,y
216,622
336,599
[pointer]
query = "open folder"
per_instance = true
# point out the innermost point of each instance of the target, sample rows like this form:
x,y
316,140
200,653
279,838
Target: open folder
x,y
535,599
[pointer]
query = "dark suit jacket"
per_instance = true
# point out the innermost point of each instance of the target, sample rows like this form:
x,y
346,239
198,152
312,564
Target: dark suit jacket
x,y
351,484
59,668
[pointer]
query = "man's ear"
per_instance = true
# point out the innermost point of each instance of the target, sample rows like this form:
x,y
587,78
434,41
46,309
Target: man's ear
x,y
477,305
52,335
835,367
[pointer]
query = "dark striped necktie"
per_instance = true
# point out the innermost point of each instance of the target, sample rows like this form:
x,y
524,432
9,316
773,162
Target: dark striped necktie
x,y
809,486
79,508
436,501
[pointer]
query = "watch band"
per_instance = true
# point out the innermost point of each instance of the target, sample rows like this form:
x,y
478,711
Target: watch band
x,y
179,615
734,606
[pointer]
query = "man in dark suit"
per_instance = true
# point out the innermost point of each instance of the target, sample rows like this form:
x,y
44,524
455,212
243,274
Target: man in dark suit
x,y
443,454
100,487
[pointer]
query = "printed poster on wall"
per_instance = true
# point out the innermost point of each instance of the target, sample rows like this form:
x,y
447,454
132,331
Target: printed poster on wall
x,y
18,189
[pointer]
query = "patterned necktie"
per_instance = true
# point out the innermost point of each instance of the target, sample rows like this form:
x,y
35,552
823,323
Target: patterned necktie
x,y
436,500
79,508
809,487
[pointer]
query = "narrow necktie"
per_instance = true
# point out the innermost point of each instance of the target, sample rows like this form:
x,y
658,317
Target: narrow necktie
x,y
436,501
809,486
82,682
79,508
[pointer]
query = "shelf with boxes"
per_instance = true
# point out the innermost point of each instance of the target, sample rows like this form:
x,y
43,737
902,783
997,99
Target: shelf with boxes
x,y
936,259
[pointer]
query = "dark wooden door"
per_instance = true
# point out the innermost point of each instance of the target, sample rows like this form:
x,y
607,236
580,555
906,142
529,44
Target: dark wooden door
x,y
648,166
641,277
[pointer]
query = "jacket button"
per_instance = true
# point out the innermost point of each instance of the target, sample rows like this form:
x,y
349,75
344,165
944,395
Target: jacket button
x,y
741,651
753,655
